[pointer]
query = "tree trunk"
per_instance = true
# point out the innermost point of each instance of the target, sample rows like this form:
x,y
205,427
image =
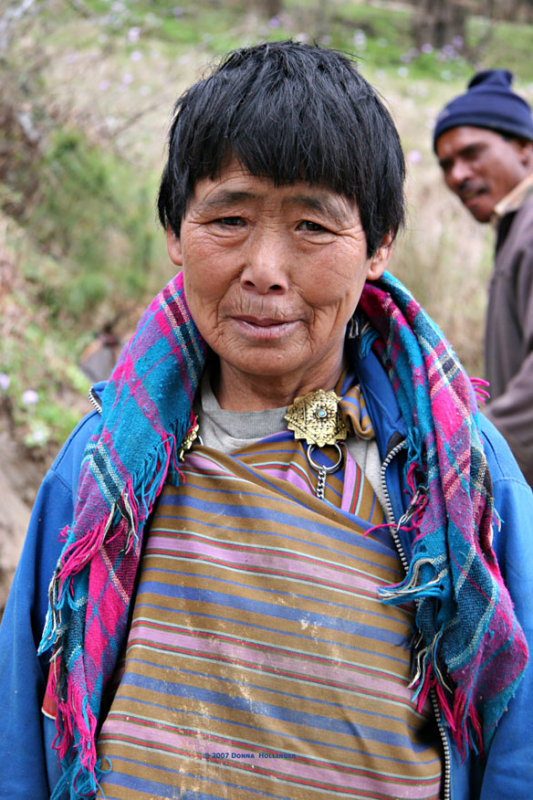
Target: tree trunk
x,y
268,8
439,22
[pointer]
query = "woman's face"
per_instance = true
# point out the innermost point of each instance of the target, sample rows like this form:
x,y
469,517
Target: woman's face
x,y
272,276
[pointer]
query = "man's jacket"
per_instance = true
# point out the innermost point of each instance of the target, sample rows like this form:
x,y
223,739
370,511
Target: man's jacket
x,y
509,335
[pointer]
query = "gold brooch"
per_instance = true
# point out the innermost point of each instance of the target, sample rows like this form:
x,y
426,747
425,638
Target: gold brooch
x,y
188,441
316,418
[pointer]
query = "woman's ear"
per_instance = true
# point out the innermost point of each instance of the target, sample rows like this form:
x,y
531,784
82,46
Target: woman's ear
x,y
174,247
377,264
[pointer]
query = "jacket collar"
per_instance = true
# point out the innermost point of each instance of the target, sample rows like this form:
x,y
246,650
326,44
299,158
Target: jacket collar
x,y
512,201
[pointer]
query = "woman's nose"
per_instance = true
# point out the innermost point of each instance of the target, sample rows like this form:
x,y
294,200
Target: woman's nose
x,y
267,263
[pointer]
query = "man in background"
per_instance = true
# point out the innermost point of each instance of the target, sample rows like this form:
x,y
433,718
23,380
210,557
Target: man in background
x,y
484,142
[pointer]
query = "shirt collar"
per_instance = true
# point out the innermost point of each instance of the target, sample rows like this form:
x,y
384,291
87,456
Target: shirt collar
x,y
513,200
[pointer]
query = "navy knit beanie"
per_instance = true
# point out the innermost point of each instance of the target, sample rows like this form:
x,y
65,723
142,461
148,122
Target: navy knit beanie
x,y
489,102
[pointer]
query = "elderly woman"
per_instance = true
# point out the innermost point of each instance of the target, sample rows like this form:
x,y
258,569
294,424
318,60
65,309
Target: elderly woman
x,y
277,572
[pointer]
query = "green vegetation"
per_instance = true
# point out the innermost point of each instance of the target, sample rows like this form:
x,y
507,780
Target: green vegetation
x,y
86,90
95,218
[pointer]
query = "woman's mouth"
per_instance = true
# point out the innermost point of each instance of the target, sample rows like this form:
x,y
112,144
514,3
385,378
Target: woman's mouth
x,y
265,328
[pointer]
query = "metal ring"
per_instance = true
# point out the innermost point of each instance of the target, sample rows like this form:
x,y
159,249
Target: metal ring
x,y
322,467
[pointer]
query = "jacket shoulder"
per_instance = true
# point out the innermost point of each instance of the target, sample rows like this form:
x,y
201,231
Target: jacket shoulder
x,y
502,463
66,466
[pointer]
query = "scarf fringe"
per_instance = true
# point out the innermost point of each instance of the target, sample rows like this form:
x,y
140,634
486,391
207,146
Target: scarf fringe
x,y
125,520
75,743
60,590
414,585
412,588
480,388
76,783
426,578
75,721
77,717
456,708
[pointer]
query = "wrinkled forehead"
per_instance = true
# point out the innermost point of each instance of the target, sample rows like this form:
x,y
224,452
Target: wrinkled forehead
x,y
234,187
235,179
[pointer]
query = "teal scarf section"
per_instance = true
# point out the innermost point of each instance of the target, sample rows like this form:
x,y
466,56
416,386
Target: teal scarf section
x,y
472,651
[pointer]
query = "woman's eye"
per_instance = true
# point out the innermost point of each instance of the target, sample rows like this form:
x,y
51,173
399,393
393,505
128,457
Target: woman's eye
x,y
230,221
314,227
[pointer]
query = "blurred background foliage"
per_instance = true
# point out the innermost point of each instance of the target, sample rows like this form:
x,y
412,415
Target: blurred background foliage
x,y
86,95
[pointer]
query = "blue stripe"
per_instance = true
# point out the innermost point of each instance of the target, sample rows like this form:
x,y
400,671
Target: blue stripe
x,y
292,521
159,789
273,611
293,634
413,745
265,710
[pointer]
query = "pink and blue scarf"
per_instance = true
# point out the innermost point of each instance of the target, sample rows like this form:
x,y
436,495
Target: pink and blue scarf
x,y
471,650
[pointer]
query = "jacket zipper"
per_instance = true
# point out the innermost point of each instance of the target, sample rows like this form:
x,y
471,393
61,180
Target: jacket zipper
x,y
95,400
399,547
447,777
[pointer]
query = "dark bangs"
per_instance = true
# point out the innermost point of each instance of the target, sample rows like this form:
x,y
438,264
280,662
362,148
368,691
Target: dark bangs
x,y
289,112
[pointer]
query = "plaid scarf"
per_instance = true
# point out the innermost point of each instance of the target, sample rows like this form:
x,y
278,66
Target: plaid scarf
x,y
469,635
471,649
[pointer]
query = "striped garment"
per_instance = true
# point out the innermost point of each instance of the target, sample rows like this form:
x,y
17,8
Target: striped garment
x,y
260,659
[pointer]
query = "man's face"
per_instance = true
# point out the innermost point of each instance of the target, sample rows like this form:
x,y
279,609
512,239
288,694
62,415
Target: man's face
x,y
272,276
481,166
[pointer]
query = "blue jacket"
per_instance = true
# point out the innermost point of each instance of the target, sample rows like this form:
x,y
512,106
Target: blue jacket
x,y
28,766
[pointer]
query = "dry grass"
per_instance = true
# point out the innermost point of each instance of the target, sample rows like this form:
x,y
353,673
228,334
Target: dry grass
x,y
443,255
124,93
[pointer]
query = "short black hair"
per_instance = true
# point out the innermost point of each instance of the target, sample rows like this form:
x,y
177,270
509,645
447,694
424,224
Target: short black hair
x,y
288,111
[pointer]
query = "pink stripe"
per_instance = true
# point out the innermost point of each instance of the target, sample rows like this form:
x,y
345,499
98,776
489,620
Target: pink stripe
x,y
263,562
290,475
296,770
197,462
267,658
350,474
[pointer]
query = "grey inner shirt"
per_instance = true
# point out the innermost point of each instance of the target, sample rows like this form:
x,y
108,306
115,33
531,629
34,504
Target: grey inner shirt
x,y
228,431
